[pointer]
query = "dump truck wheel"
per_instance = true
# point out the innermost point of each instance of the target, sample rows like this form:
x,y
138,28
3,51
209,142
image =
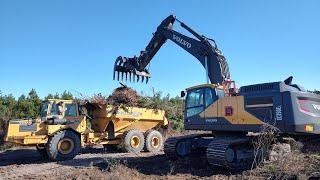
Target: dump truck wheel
x,y
64,145
132,141
154,141
42,151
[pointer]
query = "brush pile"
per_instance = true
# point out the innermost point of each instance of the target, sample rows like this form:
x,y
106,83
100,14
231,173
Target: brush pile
x,y
123,96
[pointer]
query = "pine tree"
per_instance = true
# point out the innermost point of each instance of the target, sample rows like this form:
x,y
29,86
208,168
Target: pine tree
x,y
35,103
56,96
66,95
49,96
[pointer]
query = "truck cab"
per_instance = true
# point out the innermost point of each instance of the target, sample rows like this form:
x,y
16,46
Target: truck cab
x,y
59,109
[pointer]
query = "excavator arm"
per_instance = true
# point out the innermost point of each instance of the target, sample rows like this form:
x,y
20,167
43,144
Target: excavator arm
x,y
217,70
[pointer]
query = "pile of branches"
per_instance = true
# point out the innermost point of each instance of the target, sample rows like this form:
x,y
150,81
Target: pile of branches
x,y
262,143
123,96
128,97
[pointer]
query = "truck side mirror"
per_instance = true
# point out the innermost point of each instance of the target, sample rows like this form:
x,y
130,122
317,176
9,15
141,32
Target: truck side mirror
x,y
183,94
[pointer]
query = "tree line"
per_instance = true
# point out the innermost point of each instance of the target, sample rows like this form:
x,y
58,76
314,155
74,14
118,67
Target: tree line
x,y
25,106
28,106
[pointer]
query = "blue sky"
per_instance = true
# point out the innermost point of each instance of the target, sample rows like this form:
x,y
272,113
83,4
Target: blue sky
x,y
59,45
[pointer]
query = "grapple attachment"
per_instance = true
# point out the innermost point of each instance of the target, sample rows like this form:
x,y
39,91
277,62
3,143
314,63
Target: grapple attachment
x,y
125,69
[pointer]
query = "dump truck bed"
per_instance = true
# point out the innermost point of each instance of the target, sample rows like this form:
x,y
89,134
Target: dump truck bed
x,y
126,118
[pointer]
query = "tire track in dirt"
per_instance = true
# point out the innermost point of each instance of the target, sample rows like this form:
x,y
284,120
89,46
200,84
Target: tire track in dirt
x,y
26,163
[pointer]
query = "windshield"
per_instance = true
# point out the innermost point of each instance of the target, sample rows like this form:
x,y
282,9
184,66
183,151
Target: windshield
x,y
195,98
195,102
44,109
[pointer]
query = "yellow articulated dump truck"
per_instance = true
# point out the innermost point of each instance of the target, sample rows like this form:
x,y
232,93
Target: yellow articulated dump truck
x,y
65,126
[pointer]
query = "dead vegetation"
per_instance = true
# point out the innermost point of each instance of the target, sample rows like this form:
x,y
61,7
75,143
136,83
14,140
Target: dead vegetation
x,y
123,96
291,166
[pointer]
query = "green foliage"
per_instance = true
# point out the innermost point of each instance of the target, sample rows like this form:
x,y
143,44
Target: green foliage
x,y
29,106
316,91
66,95
50,96
172,106
25,106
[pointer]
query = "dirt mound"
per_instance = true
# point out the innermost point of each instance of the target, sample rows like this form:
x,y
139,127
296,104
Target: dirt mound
x,y
123,96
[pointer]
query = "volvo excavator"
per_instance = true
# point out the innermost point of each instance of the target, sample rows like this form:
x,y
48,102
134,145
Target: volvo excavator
x,y
232,117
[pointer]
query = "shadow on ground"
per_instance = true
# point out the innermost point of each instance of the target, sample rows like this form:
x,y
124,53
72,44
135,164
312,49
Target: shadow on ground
x,y
20,156
160,165
144,163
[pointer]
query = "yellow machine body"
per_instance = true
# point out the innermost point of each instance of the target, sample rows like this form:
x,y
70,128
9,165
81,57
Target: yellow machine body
x,y
225,113
92,131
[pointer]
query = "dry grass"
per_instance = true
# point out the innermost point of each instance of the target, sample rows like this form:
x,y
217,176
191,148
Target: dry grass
x,y
292,166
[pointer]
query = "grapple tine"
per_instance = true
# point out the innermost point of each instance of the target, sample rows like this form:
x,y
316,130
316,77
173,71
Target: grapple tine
x,y
138,78
114,75
130,76
126,76
147,80
142,79
134,78
121,76
118,73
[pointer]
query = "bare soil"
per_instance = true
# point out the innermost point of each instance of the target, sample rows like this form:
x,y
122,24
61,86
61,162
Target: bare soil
x,y
94,163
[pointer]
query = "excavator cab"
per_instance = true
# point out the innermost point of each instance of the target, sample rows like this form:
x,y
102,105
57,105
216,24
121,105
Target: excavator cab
x,y
198,99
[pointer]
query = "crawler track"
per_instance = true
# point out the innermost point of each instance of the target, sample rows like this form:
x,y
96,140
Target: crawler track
x,y
218,153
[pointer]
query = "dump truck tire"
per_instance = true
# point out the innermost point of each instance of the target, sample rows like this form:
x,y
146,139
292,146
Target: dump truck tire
x,y
64,145
42,151
132,141
154,141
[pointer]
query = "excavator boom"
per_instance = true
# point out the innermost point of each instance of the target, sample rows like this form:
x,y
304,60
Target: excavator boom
x,y
217,70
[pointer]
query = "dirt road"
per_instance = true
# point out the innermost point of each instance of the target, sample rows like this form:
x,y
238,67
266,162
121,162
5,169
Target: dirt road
x,y
94,163
25,163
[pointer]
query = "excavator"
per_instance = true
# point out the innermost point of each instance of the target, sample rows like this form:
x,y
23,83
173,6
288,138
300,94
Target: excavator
x,y
232,117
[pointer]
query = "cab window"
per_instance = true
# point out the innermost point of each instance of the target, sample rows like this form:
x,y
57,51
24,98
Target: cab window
x,y
44,110
54,109
71,110
195,102
220,93
209,97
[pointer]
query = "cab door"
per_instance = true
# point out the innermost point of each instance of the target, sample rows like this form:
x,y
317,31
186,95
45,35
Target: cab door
x,y
211,109
194,107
